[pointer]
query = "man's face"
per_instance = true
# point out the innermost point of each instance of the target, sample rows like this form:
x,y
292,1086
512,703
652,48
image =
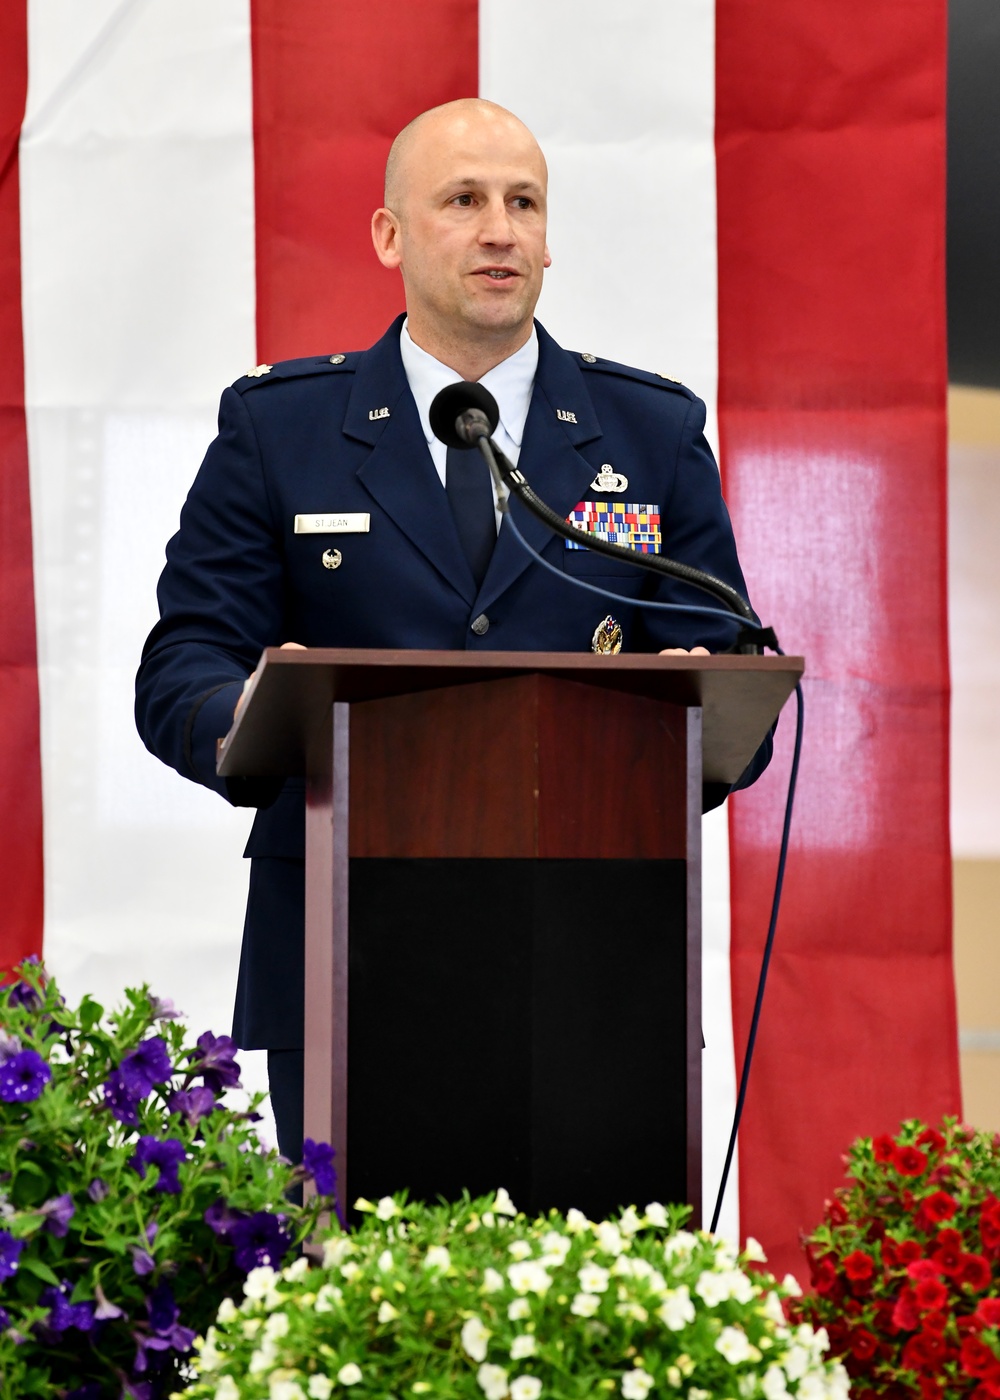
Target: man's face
x,y
467,229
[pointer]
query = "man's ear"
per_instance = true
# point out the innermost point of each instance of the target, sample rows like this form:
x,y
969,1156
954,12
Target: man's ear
x,y
548,257
386,238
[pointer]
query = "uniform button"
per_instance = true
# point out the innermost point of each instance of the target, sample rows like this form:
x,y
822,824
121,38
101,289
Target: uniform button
x,y
337,359
481,625
590,359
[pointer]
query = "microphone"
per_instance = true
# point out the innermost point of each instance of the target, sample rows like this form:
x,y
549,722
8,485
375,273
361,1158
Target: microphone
x,y
465,415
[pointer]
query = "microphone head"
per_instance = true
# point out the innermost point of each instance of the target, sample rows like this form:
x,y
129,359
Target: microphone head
x,y
452,402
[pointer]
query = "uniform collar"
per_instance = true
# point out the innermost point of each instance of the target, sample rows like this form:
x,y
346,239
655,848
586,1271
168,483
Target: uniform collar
x,y
510,382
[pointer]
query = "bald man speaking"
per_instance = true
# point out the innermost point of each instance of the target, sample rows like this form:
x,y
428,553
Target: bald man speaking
x,y
417,556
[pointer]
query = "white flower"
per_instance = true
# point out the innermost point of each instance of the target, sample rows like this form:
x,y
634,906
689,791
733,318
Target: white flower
x,y
716,1287
297,1270
525,1388
351,1269
682,1243
838,1382
812,1386
209,1357
386,1208
636,1384
754,1251
696,1393
503,1205
772,1309
528,1276
492,1381
554,1243
385,1261
628,1221
593,1279
492,1281
349,1374
474,1338
609,1237
227,1389
335,1251
734,1344
281,1388
437,1257
387,1313
677,1309
326,1297
796,1362
585,1304
227,1310
320,1388
264,1358
674,1377
259,1282
520,1249
519,1309
276,1326
791,1286
656,1215
522,1346
489,1219
576,1221
726,1252
635,1310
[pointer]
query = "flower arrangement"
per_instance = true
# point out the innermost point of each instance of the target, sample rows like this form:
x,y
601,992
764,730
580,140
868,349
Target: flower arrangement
x,y
906,1265
132,1199
475,1300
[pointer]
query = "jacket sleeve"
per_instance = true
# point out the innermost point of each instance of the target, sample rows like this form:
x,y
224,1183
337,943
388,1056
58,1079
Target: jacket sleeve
x,y
220,601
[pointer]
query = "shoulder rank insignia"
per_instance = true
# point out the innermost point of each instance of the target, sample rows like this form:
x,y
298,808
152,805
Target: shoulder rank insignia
x,y
261,369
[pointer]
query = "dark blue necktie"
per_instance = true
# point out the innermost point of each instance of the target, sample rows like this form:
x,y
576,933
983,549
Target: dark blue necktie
x,y
470,495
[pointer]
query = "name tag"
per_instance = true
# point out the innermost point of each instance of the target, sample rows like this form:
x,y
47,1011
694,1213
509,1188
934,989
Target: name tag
x,y
356,523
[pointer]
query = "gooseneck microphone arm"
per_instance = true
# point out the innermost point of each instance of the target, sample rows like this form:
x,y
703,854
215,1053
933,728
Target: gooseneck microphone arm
x,y
465,414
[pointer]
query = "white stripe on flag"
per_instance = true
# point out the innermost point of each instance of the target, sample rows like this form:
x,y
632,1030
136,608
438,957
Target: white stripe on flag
x,y
622,100
137,228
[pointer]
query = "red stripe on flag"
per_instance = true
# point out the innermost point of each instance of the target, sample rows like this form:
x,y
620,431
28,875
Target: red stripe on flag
x,y
332,86
20,763
832,379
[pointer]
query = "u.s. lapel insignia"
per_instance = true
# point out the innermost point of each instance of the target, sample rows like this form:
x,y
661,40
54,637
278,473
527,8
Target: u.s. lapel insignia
x,y
375,413
565,416
607,479
607,639
261,369
332,559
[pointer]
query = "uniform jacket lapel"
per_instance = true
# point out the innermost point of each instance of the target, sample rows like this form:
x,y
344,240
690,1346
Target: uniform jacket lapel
x,y
399,472
549,459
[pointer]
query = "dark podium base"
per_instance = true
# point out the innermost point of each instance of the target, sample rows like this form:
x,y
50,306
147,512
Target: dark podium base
x,y
518,1023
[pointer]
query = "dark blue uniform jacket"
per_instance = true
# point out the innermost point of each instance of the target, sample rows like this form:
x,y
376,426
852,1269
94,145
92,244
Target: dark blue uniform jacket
x,y
302,439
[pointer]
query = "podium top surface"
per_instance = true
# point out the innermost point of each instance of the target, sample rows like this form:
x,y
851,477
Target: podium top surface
x,y
292,691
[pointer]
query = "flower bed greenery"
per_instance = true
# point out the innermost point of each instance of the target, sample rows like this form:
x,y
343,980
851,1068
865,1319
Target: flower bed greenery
x,y
132,1200
474,1300
906,1265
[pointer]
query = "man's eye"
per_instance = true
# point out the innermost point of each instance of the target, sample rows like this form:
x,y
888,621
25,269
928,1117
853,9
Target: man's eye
x,y
464,201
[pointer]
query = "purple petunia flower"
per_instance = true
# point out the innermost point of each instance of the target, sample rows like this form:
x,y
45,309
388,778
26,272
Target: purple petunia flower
x,y
64,1315
317,1161
9,1045
4,1319
163,1009
58,1212
23,1077
10,1251
214,1061
119,1100
142,1261
106,1310
98,1190
24,994
90,1391
193,1104
259,1239
167,1332
166,1154
148,1064
221,1217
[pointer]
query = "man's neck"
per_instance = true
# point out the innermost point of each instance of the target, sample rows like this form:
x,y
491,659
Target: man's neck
x,y
470,360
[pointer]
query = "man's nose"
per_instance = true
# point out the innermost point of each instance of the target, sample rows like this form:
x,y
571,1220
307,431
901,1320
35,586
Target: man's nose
x,y
496,227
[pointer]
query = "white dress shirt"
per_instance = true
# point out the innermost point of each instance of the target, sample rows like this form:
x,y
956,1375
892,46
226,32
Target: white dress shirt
x,y
510,382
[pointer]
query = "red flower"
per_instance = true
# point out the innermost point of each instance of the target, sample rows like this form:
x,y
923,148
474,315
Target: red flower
x,y
989,1225
930,1389
977,1358
863,1344
925,1352
975,1272
905,1317
935,1322
931,1295
883,1147
825,1280
835,1213
909,1251
934,1209
922,1270
988,1312
859,1266
931,1139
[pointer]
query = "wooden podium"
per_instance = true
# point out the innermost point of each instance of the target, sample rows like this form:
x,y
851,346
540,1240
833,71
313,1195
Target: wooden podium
x,y
503,865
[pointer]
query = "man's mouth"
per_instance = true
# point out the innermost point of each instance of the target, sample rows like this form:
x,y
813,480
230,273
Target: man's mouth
x,y
496,274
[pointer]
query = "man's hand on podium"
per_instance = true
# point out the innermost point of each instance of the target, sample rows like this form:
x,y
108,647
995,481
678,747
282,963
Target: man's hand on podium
x,y
668,651
285,646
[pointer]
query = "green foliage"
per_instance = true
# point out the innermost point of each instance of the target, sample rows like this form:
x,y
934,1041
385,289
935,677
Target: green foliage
x,y
476,1301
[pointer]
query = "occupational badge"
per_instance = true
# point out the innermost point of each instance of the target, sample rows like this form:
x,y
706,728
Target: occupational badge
x,y
332,559
607,479
607,639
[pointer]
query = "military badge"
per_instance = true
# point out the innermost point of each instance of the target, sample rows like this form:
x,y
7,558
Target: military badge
x,y
607,479
619,522
607,639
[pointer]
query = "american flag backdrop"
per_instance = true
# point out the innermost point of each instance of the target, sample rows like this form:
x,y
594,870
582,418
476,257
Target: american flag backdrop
x,y
746,196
